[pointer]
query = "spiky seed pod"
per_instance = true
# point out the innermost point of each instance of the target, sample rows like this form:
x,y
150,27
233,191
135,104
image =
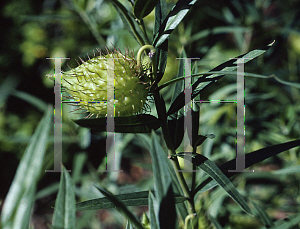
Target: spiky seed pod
x,y
87,84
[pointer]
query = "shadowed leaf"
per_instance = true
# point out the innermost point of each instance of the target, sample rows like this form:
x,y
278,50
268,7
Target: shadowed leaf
x,y
250,159
143,123
143,7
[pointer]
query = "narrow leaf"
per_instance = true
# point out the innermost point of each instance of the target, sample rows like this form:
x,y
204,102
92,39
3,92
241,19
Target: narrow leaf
x,y
20,198
201,83
160,15
260,212
215,173
162,185
176,120
153,208
259,155
250,159
129,23
143,7
131,199
288,223
122,208
162,50
160,168
181,207
172,20
142,123
38,103
167,210
64,215
129,225
215,223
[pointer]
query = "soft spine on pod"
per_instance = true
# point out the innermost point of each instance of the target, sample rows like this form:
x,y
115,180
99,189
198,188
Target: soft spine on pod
x,y
87,84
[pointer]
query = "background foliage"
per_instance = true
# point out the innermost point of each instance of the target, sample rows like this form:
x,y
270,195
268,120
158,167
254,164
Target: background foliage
x,y
214,31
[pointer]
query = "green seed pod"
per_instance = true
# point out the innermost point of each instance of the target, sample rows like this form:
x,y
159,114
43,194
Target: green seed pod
x,y
87,84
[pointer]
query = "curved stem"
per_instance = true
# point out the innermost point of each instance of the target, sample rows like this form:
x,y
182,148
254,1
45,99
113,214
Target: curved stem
x,y
140,52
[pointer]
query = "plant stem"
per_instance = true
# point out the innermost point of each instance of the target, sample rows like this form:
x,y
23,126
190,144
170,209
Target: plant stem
x,y
143,48
161,110
194,173
143,28
162,115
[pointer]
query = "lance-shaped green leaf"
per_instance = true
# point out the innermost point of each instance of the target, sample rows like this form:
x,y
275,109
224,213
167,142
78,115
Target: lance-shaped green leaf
x,y
142,8
250,159
176,120
122,208
181,207
215,173
162,185
167,210
287,223
153,208
142,123
215,223
172,20
203,82
160,168
130,199
64,215
20,198
129,23
129,225
162,50
262,214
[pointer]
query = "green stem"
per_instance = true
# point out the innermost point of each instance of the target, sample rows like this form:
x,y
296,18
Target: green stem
x,y
161,110
162,115
143,28
193,184
141,50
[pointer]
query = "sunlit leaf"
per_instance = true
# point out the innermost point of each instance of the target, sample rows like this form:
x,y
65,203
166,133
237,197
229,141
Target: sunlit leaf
x,y
172,20
64,215
20,198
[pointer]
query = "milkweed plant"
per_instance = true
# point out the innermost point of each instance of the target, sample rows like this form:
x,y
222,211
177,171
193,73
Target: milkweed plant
x,y
139,108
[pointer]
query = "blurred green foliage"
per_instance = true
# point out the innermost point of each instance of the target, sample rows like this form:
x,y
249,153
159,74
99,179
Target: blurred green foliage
x,y
213,31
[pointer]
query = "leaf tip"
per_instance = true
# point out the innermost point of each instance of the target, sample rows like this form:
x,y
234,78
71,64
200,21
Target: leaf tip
x,y
272,43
